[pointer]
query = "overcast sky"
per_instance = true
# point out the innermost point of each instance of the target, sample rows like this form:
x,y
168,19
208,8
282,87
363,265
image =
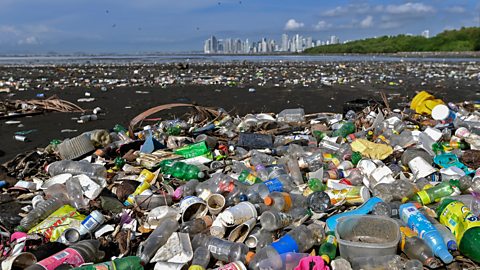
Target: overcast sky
x,y
129,26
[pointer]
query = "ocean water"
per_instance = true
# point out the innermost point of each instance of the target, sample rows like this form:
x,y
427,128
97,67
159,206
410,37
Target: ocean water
x,y
201,58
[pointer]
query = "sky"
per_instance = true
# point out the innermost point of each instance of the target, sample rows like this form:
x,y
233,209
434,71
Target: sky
x,y
133,26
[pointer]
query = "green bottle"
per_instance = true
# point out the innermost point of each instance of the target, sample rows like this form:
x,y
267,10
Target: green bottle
x,y
328,250
316,184
127,263
181,170
464,225
319,135
194,150
248,178
344,130
434,194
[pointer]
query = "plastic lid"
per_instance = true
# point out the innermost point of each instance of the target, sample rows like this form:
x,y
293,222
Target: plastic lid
x,y
444,255
440,112
201,175
268,200
249,256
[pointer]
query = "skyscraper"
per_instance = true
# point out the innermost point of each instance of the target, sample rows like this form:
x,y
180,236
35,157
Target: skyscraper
x,y
426,34
284,47
334,40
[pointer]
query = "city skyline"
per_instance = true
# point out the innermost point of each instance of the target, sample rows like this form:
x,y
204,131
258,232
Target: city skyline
x,y
180,26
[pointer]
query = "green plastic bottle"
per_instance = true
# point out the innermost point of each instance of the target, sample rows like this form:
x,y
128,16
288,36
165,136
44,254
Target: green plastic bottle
x,y
248,178
194,150
434,194
127,263
346,129
181,170
328,250
464,225
316,184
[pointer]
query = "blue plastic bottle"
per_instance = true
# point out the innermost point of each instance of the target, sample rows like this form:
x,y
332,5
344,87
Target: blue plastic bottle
x,y
364,209
425,229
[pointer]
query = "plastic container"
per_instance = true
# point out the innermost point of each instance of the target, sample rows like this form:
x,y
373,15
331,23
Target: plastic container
x,y
367,236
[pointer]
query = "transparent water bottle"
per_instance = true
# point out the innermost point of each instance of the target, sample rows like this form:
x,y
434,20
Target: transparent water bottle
x,y
201,259
42,211
156,239
75,193
223,250
96,172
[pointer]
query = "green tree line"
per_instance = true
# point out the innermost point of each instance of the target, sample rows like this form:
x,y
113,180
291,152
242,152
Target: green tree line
x,y
465,39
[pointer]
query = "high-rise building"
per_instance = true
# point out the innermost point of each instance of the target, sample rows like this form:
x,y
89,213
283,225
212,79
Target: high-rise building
x,y
334,40
284,47
309,43
426,34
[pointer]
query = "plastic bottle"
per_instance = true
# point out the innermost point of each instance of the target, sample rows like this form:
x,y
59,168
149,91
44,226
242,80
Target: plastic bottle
x,y
434,194
197,225
42,211
75,193
274,220
283,201
346,129
416,248
145,178
156,239
386,209
249,178
328,249
463,224
364,209
181,170
300,239
294,170
471,138
312,162
96,172
259,238
223,250
282,183
260,169
91,222
126,263
201,259
316,184
318,202
82,252
420,224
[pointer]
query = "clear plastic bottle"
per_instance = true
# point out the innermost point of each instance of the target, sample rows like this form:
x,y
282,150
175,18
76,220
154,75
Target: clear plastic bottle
x,y
223,250
318,202
294,170
201,259
75,193
283,201
391,262
42,211
260,169
416,248
85,251
156,239
96,172
282,261
274,220
300,239
197,225
259,238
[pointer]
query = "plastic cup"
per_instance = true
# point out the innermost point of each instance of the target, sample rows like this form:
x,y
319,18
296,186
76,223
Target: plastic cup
x,y
238,214
241,232
192,207
215,203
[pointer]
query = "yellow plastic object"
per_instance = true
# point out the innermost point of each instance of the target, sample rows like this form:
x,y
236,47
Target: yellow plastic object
x,y
424,102
53,226
371,150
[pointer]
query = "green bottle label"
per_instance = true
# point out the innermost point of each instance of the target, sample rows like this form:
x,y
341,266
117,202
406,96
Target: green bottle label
x,y
459,219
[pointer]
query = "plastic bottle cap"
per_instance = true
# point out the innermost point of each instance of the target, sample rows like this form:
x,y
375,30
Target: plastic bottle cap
x,y
440,112
196,267
268,200
201,175
326,258
249,256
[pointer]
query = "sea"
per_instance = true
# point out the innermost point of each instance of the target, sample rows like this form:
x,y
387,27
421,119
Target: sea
x,y
202,58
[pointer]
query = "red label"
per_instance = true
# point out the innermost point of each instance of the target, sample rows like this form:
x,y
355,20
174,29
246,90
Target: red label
x,y
230,266
67,256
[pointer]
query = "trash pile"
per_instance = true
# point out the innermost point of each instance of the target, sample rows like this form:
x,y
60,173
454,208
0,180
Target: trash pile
x,y
20,108
373,188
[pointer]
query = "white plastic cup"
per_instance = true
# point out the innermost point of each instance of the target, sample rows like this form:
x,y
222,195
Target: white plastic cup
x,y
215,203
238,214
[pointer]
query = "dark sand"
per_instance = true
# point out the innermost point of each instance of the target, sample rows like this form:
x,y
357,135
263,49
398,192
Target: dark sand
x,y
237,100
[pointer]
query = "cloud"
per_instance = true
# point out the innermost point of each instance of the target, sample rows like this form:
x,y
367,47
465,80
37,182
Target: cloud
x,y
409,8
456,9
28,41
322,25
367,22
292,24
347,10
390,25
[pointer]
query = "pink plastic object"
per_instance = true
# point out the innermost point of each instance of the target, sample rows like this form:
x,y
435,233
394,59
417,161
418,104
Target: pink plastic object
x,y
312,263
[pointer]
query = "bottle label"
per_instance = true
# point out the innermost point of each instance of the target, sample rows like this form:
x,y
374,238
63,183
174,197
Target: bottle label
x,y
423,195
231,266
331,239
416,220
285,244
67,256
274,185
458,219
285,219
405,232
90,223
